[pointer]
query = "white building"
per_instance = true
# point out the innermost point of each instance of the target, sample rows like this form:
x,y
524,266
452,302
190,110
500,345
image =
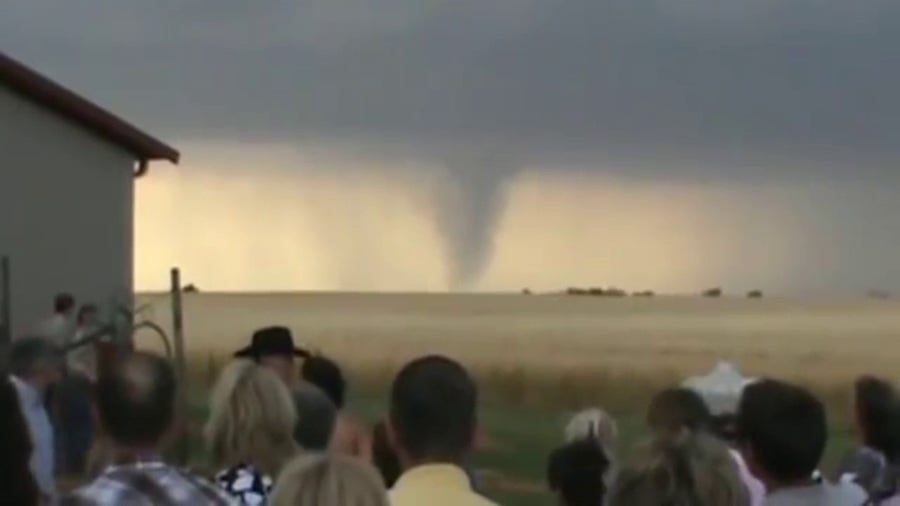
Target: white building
x,y
67,170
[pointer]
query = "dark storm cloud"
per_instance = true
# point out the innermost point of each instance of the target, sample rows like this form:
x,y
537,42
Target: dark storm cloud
x,y
729,90
708,87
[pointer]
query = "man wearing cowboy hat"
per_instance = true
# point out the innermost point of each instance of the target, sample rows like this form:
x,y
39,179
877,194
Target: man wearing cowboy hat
x,y
274,348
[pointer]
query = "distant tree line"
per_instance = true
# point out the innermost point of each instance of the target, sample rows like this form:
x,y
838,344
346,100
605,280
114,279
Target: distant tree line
x,y
711,293
607,292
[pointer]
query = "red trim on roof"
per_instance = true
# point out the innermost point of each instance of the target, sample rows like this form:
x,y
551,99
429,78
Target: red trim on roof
x,y
89,115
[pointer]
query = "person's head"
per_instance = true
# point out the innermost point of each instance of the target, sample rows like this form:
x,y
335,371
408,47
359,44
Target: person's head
x,y
433,411
325,374
64,303
594,424
273,347
577,471
87,315
282,365
675,409
324,479
36,361
136,401
684,469
19,487
252,418
383,455
316,417
782,432
876,414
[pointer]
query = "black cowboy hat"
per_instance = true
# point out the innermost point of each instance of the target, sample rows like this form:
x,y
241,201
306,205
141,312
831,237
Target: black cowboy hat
x,y
271,341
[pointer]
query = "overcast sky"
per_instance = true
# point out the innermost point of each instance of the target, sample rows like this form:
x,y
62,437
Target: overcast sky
x,y
727,94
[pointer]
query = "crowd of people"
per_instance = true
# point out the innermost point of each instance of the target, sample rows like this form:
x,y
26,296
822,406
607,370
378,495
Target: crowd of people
x,y
278,433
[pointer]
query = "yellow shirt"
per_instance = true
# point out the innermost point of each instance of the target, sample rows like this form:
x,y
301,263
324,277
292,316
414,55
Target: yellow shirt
x,y
435,485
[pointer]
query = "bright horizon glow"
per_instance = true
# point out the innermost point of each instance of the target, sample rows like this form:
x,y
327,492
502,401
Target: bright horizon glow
x,y
266,218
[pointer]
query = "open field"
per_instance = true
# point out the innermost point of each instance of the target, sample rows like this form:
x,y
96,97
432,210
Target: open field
x,y
539,357
567,343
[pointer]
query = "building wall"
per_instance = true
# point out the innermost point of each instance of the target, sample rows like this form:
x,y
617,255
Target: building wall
x,y
66,207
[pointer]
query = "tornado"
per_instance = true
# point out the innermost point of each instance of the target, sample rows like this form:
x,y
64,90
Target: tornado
x,y
470,200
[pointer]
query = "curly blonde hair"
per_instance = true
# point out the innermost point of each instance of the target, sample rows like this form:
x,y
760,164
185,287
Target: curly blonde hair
x,y
329,479
252,419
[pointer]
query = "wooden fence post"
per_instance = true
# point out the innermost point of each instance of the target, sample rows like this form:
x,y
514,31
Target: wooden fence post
x,y
180,366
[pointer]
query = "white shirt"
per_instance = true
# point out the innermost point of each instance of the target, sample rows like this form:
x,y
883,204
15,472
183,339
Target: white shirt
x,y
818,494
31,403
721,389
58,329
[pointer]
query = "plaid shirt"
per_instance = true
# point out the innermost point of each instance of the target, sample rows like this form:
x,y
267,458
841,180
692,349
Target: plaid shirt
x,y
147,484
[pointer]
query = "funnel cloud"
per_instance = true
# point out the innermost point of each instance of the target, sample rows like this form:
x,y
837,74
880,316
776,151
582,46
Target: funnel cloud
x,y
469,205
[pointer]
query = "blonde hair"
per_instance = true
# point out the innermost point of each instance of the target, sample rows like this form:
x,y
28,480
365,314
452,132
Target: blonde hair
x,y
328,479
252,418
683,469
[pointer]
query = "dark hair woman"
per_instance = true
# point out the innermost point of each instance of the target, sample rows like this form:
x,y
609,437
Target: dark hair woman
x,y
876,410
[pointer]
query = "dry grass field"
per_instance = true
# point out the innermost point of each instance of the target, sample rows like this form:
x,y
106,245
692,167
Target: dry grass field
x,y
539,357
538,349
